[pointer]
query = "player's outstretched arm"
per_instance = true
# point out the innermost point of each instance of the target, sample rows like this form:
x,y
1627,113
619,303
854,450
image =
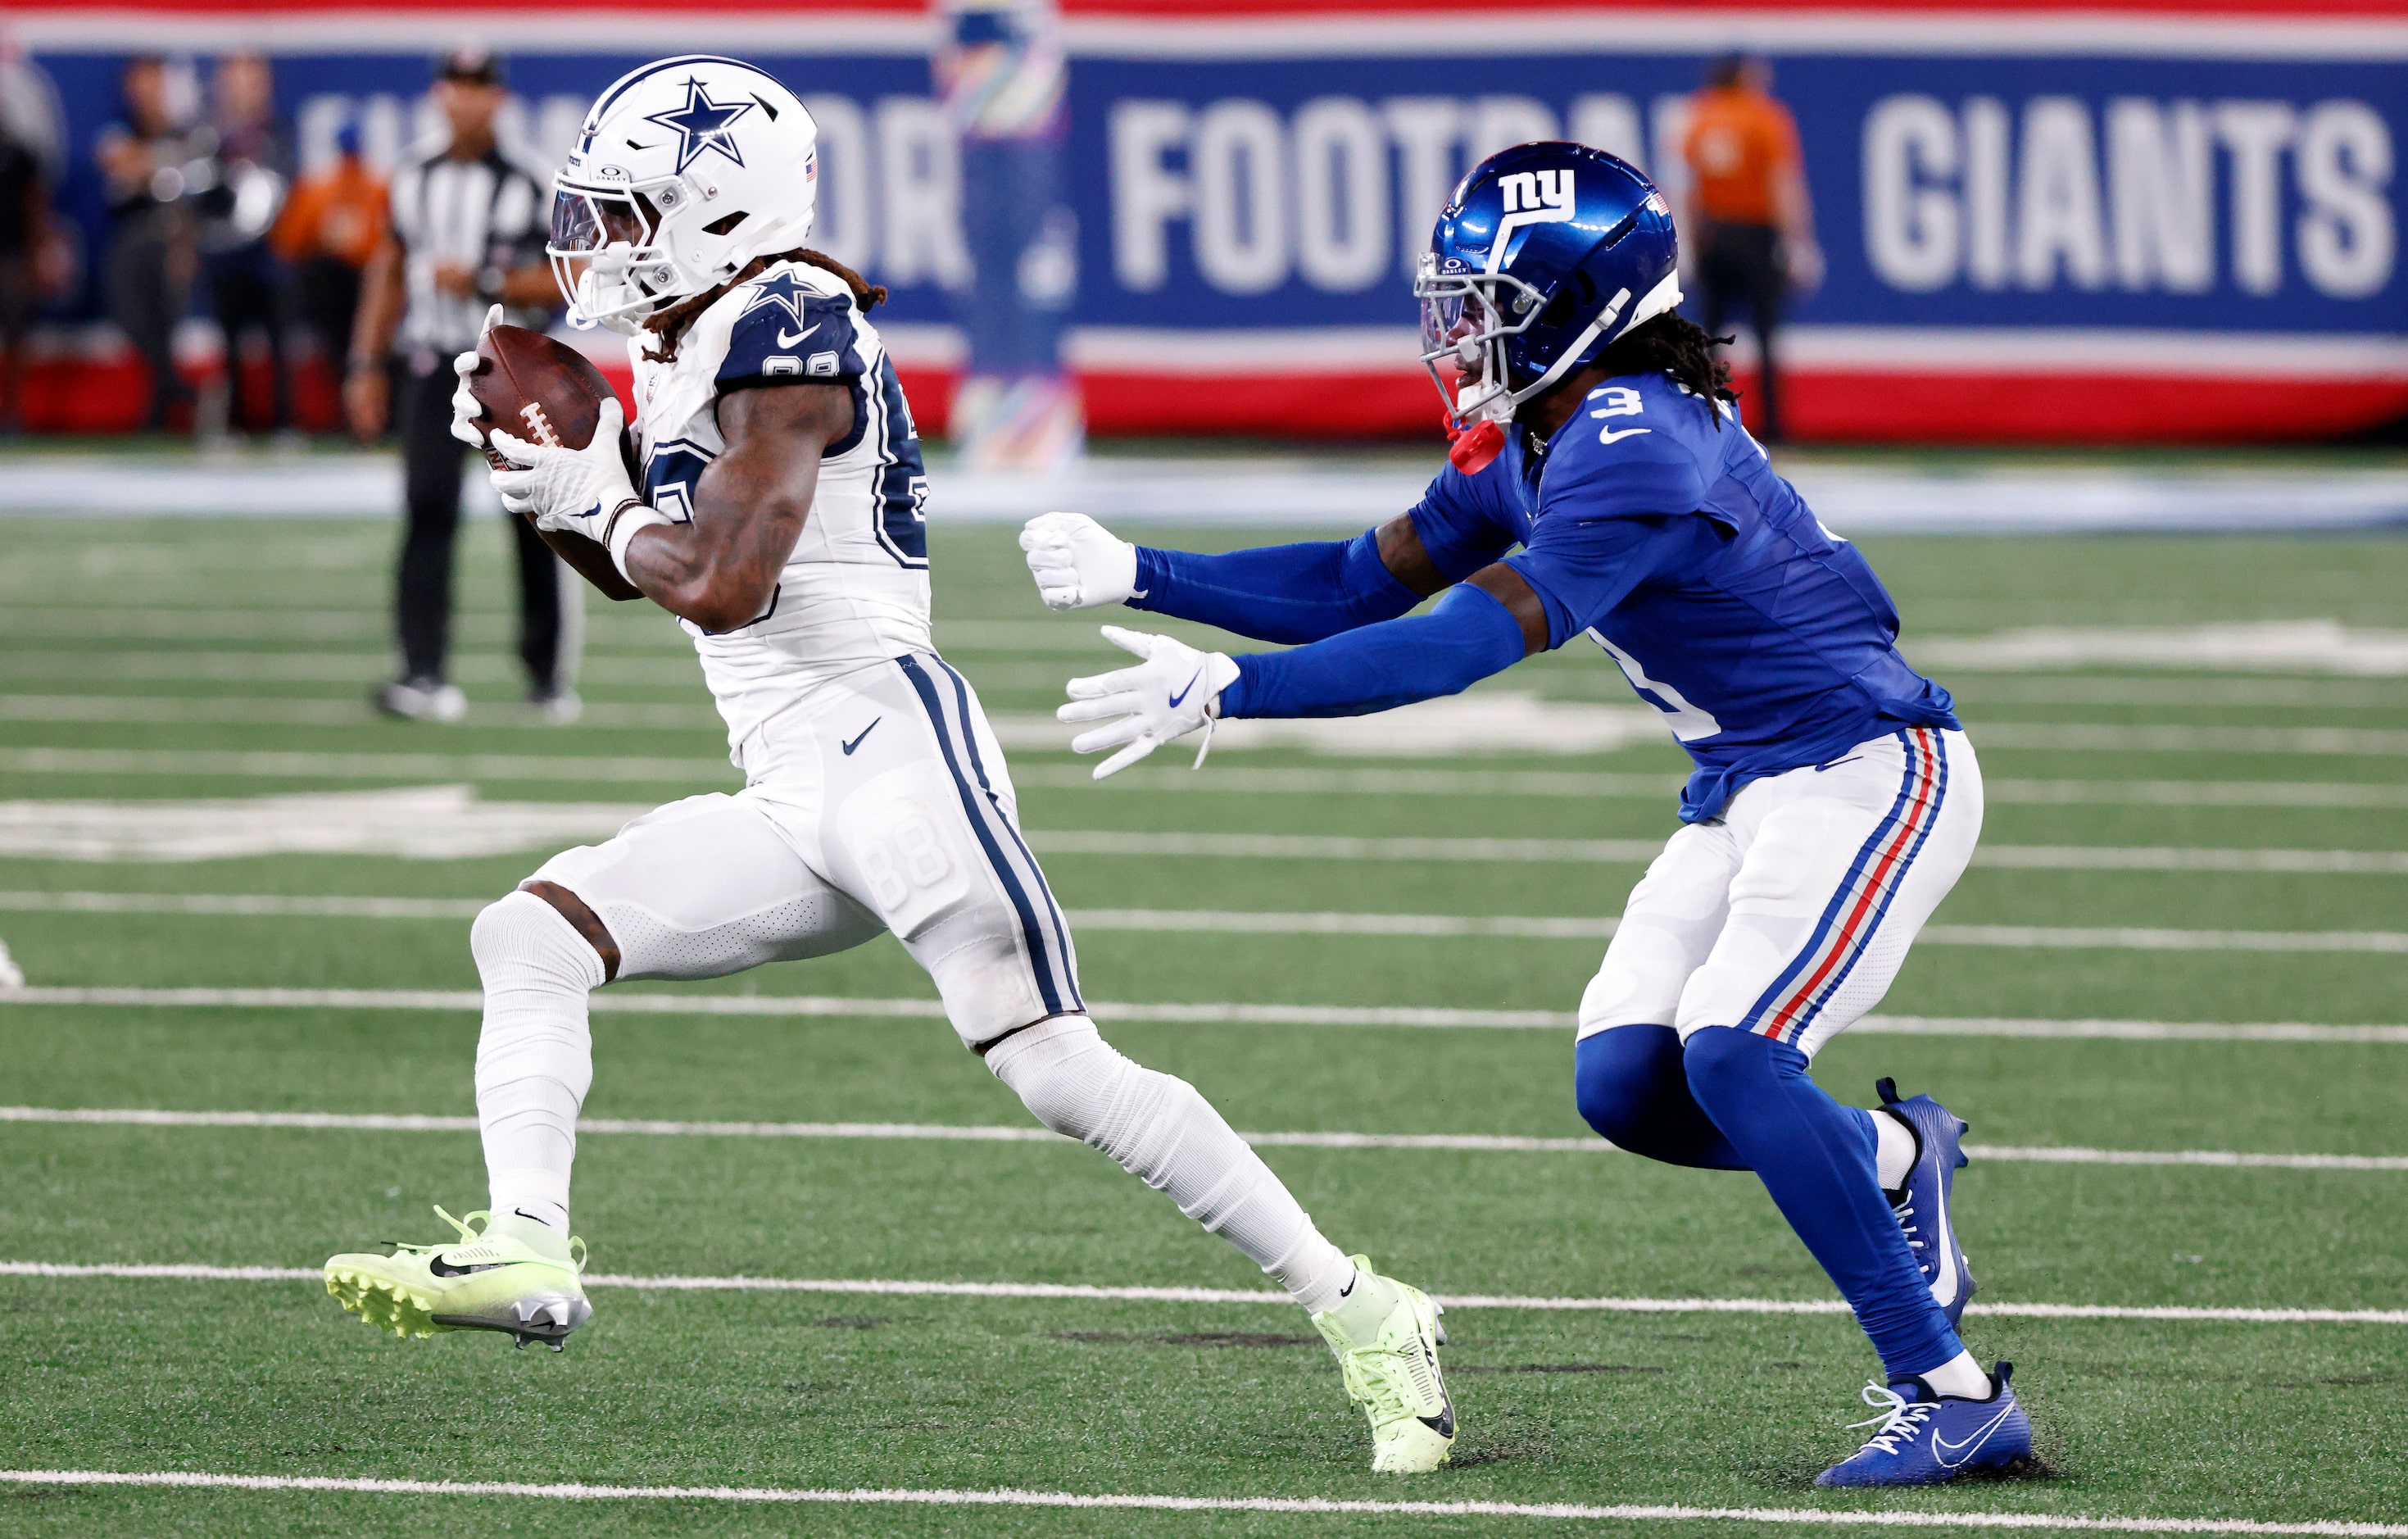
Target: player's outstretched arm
x,y
1285,594
1487,624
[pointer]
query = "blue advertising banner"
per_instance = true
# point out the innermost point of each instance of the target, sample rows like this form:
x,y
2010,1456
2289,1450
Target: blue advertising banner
x,y
2211,204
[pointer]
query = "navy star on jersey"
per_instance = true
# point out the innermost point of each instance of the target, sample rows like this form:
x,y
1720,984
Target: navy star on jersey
x,y
702,124
777,291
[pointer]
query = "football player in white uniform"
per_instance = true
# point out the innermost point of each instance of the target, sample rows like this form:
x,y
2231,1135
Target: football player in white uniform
x,y
780,519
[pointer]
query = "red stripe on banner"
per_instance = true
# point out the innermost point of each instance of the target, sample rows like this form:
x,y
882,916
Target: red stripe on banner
x,y
1258,9
86,394
1783,1015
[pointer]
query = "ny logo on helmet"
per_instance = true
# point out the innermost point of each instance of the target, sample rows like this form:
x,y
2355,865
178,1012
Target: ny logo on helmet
x,y
1531,198
1538,195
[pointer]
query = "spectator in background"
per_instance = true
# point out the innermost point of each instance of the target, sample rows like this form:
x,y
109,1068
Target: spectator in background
x,y
467,234
331,224
147,278
244,178
1749,213
33,262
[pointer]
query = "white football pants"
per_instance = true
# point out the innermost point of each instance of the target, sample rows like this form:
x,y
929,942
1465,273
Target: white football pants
x,y
879,801
1790,914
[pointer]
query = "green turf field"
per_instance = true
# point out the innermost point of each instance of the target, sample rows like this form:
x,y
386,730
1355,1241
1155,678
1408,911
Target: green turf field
x,y
145,660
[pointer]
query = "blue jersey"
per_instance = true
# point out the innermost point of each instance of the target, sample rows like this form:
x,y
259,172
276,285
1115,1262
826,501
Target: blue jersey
x,y
1766,639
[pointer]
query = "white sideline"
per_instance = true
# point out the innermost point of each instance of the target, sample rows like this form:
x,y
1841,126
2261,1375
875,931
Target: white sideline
x,y
1212,921
979,1133
914,1287
1197,1014
1314,1505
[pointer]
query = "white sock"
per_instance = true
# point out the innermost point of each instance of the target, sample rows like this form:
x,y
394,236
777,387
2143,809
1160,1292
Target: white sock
x,y
1894,1149
1165,1133
535,1057
1960,1376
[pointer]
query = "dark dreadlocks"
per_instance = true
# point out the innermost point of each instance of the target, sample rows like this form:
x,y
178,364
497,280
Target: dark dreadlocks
x,y
668,327
1672,344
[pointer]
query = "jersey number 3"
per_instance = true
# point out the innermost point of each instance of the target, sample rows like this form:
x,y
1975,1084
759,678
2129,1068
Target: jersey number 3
x,y
1687,722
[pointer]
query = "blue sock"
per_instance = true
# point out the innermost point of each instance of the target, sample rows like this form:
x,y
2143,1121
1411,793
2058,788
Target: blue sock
x,y
1815,1157
1629,1084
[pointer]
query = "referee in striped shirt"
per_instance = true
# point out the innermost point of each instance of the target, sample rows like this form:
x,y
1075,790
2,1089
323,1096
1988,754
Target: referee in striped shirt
x,y
467,233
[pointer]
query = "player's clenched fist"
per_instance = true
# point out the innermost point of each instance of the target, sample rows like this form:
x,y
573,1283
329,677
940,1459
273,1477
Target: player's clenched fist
x,y
1078,563
1168,695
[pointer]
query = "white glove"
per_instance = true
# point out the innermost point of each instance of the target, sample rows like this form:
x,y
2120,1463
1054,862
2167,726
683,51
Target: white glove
x,y
1078,563
466,408
572,489
1174,691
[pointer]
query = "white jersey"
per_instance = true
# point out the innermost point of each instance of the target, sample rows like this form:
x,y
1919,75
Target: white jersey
x,y
855,590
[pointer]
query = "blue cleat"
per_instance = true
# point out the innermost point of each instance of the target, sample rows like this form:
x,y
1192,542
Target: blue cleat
x,y
1923,1439
1922,1203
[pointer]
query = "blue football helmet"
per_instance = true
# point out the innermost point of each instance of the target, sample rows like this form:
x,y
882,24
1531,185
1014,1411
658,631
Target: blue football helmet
x,y
1545,256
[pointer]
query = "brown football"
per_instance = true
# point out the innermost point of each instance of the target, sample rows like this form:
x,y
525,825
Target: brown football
x,y
542,391
537,389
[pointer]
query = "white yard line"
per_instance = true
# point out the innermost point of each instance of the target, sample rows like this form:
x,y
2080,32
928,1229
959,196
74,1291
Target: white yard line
x,y
416,768
1213,1013
1326,847
913,1288
1025,731
282,765
1309,1505
319,712
2068,737
1220,921
958,1133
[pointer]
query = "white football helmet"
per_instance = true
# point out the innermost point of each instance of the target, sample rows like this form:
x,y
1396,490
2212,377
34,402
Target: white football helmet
x,y
683,171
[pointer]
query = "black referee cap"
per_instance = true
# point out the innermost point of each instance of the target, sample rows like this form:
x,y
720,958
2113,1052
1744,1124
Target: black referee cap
x,y
470,64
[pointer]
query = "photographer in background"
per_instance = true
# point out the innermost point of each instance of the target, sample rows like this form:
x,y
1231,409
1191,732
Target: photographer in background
x,y
468,221
246,171
1750,214
148,277
34,258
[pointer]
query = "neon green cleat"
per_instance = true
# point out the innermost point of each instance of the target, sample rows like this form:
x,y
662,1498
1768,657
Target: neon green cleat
x,y
1392,1371
514,1276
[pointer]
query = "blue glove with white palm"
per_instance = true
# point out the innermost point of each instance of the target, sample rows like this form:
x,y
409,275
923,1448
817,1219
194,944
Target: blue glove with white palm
x,y
1174,690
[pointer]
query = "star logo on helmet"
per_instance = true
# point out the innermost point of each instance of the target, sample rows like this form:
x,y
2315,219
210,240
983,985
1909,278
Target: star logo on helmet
x,y
779,291
702,124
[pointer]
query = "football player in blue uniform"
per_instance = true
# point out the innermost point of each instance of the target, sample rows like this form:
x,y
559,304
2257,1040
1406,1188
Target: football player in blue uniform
x,y
1835,799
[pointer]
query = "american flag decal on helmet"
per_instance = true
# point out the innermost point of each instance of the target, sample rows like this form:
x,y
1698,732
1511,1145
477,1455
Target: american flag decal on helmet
x,y
1855,914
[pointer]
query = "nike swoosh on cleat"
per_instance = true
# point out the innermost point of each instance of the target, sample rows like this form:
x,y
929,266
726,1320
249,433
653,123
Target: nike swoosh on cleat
x,y
856,741
1442,1423
1944,1287
1942,1447
1186,687
445,1268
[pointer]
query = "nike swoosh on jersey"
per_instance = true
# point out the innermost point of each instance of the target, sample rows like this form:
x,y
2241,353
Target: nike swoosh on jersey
x,y
865,732
1607,435
784,340
1186,687
1942,1447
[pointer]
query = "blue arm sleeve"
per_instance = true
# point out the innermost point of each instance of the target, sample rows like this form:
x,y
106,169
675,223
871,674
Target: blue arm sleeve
x,y
1275,593
1465,639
